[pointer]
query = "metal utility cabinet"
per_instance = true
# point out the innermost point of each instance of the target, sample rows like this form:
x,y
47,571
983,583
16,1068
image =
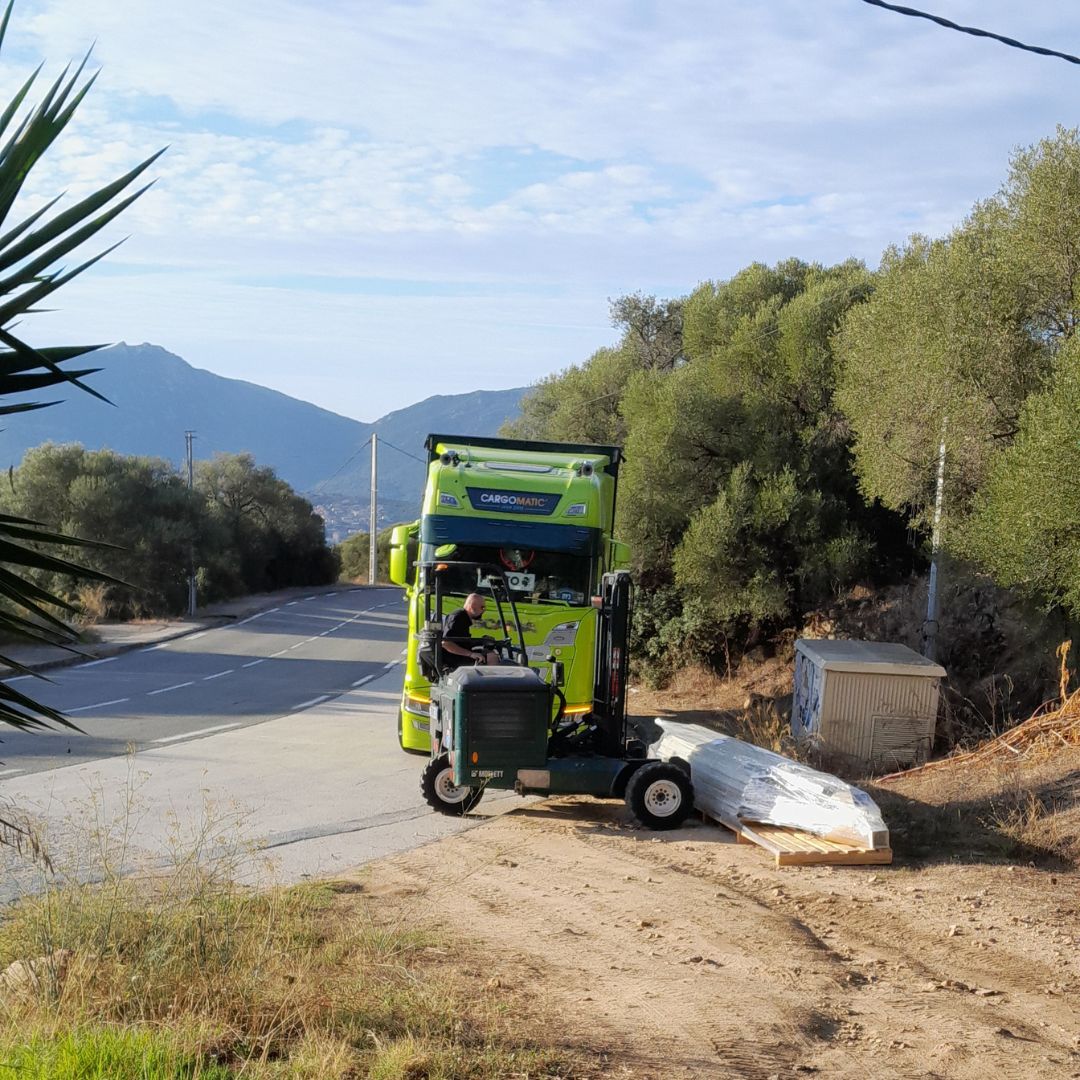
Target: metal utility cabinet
x,y
871,702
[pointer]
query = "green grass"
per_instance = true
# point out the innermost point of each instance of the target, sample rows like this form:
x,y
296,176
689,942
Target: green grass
x,y
105,1054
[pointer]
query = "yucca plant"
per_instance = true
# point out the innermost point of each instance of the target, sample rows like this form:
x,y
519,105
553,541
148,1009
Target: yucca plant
x,y
31,250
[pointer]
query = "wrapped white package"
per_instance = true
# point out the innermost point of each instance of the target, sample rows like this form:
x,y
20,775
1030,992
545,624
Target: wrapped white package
x,y
736,782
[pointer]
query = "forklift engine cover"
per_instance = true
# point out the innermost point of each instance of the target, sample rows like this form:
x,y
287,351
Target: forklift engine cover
x,y
493,721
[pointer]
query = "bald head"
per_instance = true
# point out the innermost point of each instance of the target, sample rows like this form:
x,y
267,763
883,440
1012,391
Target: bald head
x,y
474,605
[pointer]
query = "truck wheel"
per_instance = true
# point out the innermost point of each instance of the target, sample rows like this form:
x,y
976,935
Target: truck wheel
x,y
660,795
442,794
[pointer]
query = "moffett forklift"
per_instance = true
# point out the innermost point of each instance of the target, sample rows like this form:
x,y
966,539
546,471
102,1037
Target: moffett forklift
x,y
503,725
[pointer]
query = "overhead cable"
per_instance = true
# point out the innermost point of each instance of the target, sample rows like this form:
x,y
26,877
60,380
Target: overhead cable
x,y
973,30
386,442
352,457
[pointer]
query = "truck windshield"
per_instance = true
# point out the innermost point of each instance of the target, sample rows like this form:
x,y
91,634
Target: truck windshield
x,y
534,576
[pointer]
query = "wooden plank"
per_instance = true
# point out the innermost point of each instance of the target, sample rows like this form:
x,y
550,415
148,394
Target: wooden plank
x,y
792,847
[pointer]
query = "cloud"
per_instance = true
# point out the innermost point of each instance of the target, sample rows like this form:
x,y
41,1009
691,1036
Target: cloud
x,y
555,152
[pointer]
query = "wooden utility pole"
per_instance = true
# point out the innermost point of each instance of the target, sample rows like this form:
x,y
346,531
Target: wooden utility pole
x,y
189,438
373,562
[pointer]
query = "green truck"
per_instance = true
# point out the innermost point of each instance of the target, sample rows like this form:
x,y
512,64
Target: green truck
x,y
544,514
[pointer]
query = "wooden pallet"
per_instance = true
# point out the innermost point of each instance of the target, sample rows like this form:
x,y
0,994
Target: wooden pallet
x,y
793,847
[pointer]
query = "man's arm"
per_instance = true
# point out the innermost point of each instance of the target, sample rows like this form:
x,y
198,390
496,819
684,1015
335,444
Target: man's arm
x,y
456,649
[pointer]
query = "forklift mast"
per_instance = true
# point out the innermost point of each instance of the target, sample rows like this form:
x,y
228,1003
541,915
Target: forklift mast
x,y
612,661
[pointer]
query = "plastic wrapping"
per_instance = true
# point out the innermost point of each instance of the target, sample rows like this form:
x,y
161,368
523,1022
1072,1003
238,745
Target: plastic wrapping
x,y
736,782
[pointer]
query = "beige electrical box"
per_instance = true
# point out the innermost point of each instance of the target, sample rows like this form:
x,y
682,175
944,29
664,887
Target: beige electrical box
x,y
873,703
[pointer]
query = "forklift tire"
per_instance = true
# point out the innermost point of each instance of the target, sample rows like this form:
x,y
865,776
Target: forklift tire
x,y
442,794
660,795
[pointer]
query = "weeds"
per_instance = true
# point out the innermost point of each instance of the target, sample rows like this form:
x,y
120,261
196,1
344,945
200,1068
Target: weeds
x,y
179,972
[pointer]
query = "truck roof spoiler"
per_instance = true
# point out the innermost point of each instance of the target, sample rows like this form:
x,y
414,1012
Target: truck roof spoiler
x,y
613,452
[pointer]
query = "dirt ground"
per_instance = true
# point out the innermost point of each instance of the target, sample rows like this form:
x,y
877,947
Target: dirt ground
x,y
685,955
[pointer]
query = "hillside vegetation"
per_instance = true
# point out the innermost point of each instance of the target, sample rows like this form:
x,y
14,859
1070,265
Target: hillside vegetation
x,y
782,432
248,530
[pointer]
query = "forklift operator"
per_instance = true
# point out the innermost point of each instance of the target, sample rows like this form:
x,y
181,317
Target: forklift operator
x,y
457,637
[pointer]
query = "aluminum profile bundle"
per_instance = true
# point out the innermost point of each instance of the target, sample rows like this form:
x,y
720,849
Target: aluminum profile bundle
x,y
737,783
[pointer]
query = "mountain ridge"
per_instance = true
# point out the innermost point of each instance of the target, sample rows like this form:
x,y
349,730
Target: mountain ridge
x,y
158,396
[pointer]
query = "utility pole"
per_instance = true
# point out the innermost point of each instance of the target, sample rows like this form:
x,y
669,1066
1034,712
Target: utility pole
x,y
189,438
930,626
373,533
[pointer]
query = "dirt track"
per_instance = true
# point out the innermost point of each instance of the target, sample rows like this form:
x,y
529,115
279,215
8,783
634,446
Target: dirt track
x,y
684,955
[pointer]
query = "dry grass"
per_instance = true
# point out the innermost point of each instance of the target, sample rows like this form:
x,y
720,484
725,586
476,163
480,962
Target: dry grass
x,y
92,602
184,973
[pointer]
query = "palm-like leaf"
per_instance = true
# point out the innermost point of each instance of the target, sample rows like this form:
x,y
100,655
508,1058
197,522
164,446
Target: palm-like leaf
x,y
31,247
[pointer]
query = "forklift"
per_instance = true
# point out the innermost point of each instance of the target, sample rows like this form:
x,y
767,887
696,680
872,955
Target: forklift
x,y
504,726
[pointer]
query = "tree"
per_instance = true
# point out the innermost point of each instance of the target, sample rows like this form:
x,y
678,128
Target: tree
x,y
579,404
274,537
960,332
1025,525
652,330
31,247
737,483
137,511
583,402
353,553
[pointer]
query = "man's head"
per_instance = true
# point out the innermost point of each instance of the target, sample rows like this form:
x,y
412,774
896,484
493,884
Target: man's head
x,y
474,605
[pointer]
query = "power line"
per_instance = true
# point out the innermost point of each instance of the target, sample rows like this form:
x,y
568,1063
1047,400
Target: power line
x,y
383,442
351,458
974,31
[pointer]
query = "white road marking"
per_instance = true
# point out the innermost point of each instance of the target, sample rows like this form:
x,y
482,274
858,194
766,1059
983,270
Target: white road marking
x,y
94,663
19,678
272,610
292,603
166,689
11,772
330,594
227,671
313,701
250,618
280,652
393,663
195,637
309,597
365,679
252,663
192,734
296,646
99,704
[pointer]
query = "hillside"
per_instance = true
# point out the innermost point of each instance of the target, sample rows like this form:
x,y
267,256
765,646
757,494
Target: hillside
x,y
158,395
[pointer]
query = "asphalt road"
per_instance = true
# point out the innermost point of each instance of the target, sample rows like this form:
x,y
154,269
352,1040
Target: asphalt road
x,y
268,746
277,662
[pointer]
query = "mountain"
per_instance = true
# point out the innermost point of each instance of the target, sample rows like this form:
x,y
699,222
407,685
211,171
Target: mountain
x,y
158,396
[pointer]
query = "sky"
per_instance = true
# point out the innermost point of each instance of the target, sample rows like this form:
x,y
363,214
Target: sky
x,y
366,203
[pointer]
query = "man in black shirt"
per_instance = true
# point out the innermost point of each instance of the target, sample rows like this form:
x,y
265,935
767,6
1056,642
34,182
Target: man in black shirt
x,y
457,640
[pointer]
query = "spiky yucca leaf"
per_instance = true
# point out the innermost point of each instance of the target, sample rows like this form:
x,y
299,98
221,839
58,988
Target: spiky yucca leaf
x,y
31,246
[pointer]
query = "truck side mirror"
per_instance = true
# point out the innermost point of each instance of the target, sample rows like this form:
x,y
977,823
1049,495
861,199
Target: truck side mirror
x,y
400,538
